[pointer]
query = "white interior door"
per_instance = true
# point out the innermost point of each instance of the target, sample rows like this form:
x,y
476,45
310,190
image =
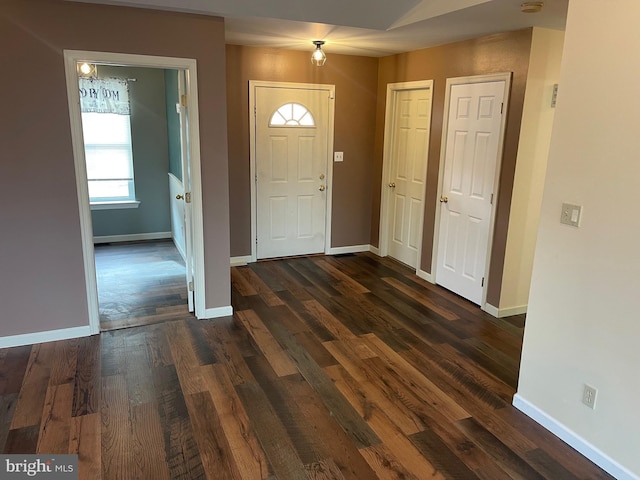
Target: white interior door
x,y
408,172
186,183
472,146
291,150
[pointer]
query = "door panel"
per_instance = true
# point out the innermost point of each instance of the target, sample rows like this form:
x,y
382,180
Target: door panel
x,y
471,158
291,170
409,144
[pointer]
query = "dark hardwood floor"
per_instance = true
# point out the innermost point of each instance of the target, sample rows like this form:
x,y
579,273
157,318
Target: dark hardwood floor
x,y
140,283
346,367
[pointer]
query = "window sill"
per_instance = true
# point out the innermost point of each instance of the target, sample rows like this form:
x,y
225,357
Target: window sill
x,y
116,205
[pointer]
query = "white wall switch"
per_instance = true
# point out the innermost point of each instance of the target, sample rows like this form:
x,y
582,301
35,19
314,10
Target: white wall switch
x,y
338,156
570,214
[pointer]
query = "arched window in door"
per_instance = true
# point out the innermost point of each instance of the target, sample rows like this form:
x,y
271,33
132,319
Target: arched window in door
x,y
292,115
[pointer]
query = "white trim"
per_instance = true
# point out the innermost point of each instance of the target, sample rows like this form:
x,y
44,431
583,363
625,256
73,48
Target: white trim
x,y
331,90
425,276
374,250
115,205
217,312
240,261
133,237
503,312
389,126
71,58
47,336
568,436
496,77
349,249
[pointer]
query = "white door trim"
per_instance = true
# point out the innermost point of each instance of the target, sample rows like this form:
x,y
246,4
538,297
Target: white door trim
x,y
496,77
331,91
389,126
71,58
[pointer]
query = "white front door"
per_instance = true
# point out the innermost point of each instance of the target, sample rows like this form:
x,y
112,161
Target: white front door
x,y
473,142
408,173
291,151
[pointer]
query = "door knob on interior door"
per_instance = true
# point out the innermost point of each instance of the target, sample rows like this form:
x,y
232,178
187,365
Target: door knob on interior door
x,y
179,197
322,188
444,199
392,185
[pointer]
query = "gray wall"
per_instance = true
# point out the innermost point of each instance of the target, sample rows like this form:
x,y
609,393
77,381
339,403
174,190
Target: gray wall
x,y
150,156
173,122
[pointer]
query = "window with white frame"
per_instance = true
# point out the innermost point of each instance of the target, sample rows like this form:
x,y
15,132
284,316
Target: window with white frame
x,y
109,157
106,128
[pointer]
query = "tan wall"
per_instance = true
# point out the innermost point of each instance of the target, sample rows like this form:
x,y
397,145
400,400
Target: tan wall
x,y
41,269
355,79
582,324
531,165
508,52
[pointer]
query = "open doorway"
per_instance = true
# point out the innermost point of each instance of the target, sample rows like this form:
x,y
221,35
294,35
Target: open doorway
x,y
153,200
132,146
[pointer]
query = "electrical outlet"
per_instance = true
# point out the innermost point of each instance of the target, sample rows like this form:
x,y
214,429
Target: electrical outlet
x,y
589,396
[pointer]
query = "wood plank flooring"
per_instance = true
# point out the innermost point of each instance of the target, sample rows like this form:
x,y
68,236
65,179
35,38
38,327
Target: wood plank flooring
x,y
140,283
345,367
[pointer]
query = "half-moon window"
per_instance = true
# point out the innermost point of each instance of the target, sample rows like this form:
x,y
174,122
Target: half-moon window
x,y
292,115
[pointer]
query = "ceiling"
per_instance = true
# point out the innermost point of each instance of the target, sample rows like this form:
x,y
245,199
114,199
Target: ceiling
x,y
361,27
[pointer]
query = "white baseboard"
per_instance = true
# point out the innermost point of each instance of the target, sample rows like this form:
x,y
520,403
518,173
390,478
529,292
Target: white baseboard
x,y
374,250
181,251
218,312
571,438
504,312
240,261
41,337
134,237
425,276
349,249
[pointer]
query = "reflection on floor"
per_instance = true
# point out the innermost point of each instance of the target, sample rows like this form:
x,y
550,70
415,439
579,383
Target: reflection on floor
x,y
140,284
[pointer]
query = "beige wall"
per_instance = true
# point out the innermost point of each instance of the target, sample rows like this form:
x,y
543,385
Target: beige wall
x,y
582,325
355,79
531,165
41,269
508,52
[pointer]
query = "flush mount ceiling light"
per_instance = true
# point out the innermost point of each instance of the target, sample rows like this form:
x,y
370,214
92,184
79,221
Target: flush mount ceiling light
x,y
87,69
318,57
531,7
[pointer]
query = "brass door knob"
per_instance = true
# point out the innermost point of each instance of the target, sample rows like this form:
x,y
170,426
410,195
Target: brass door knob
x,y
179,197
322,188
392,185
444,199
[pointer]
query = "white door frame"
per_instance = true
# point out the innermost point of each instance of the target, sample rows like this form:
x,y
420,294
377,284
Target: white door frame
x,y
389,127
331,92
71,59
496,77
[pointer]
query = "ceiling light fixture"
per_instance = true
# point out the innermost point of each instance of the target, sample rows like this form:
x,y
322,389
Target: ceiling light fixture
x,y
318,57
87,69
531,7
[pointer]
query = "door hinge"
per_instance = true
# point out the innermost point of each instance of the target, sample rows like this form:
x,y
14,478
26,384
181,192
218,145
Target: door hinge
x,y
492,199
501,108
187,197
183,100
482,282
191,286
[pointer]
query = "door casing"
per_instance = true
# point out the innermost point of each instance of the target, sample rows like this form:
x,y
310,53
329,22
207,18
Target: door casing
x,y
506,77
71,59
383,235
330,89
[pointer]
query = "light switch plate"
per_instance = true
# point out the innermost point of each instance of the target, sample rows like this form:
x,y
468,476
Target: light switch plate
x,y
338,156
570,214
